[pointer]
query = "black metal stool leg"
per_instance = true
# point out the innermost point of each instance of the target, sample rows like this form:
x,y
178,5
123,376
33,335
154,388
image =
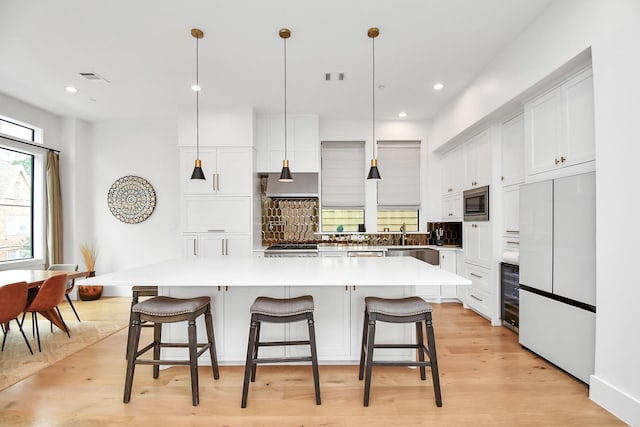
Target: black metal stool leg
x,y
420,349
363,344
134,339
369,361
157,340
431,341
314,357
256,347
193,361
248,366
212,344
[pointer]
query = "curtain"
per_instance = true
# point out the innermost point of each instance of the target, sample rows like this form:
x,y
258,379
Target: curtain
x,y
54,210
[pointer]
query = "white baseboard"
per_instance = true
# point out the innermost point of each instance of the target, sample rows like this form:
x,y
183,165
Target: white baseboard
x,y
614,400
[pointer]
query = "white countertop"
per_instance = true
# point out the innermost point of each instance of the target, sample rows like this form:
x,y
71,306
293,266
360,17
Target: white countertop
x,y
252,271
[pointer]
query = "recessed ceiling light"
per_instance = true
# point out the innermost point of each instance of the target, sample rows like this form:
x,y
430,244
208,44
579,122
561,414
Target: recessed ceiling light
x,y
438,86
196,88
71,89
402,114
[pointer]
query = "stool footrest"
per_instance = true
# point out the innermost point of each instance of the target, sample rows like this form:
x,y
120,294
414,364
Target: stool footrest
x,y
280,343
161,362
282,359
417,346
398,363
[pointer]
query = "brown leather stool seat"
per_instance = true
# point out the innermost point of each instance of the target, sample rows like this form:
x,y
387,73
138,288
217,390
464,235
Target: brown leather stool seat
x,y
277,310
159,310
400,310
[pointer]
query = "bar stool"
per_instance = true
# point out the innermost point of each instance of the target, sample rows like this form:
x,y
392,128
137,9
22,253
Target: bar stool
x,y
400,310
160,310
275,310
136,293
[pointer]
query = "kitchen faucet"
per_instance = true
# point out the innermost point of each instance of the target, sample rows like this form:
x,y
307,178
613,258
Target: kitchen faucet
x,y
403,229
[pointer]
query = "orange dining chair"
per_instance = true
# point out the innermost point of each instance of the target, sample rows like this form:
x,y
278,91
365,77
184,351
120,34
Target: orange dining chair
x,y
13,299
70,283
46,300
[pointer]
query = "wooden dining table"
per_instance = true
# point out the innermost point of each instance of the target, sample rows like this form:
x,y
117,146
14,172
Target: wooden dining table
x,y
34,279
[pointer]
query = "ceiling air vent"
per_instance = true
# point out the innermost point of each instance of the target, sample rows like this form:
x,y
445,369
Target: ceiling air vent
x,y
94,77
333,77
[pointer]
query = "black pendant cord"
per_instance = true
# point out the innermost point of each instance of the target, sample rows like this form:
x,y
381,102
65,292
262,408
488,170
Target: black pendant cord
x,y
373,95
197,100
285,98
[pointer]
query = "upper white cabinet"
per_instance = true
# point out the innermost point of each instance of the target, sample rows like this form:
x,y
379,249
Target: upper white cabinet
x,y
228,171
559,126
216,214
512,158
510,211
477,161
452,207
452,172
303,142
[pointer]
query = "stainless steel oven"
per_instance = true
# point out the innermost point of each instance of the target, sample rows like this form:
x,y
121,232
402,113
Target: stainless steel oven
x,y
476,204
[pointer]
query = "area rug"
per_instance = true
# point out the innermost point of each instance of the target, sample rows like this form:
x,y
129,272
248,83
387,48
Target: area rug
x,y
16,363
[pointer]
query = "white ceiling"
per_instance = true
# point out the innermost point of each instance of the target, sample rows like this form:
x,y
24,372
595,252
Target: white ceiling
x,y
145,50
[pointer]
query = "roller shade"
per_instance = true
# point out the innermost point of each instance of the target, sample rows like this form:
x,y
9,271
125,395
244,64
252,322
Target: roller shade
x,y
343,174
399,165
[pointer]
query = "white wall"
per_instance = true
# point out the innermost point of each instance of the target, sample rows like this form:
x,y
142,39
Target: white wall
x,y
559,34
149,150
336,130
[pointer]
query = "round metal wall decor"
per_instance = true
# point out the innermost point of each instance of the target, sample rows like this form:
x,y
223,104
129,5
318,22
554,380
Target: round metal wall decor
x,y
131,199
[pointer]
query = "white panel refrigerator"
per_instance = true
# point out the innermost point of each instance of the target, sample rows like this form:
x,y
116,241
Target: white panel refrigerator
x,y
557,272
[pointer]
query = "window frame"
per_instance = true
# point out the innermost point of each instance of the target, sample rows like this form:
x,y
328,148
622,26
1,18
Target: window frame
x,y
38,196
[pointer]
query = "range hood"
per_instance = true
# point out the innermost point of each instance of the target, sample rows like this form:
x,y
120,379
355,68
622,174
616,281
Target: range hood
x,y
304,186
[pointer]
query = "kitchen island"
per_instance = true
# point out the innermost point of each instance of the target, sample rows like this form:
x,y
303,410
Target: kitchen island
x,y
338,286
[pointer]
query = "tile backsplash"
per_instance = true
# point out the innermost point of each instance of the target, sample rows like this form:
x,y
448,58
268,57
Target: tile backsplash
x,y
452,232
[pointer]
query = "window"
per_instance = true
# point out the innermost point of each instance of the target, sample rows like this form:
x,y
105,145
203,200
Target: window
x,y
342,184
17,130
399,188
21,201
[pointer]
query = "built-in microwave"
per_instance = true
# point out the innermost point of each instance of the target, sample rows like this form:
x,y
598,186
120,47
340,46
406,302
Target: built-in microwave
x,y
476,204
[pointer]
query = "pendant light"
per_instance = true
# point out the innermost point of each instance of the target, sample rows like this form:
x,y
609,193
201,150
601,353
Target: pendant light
x,y
285,175
197,170
373,32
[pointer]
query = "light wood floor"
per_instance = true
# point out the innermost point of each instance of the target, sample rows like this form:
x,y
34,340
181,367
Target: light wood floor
x,y
487,380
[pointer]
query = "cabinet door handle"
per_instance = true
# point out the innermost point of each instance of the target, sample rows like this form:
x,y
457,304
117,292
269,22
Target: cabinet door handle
x,y
513,243
475,275
563,159
475,297
218,181
226,246
502,178
512,231
215,231
195,250
556,161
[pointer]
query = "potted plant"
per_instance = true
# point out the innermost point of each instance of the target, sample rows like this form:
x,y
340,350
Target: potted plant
x,y
90,292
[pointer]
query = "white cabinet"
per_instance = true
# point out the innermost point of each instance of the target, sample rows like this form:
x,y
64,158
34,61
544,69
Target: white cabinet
x,y
216,213
511,218
303,142
228,171
480,295
449,262
238,299
476,244
452,172
332,316
512,154
559,126
212,245
452,207
477,161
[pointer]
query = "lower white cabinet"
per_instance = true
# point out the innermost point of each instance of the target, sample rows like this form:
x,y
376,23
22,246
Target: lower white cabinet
x,y
212,245
449,262
480,295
